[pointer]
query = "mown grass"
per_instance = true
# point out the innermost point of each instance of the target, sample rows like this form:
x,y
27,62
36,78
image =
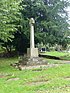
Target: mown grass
x,y
62,55
48,80
56,53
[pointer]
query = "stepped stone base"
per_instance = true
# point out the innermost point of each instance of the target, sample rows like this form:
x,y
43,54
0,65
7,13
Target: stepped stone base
x,y
25,61
32,61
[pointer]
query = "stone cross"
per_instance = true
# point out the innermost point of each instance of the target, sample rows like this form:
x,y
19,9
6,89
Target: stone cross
x,y
32,22
32,51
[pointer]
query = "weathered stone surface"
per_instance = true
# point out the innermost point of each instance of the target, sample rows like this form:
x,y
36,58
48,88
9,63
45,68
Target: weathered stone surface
x,y
32,22
32,52
33,61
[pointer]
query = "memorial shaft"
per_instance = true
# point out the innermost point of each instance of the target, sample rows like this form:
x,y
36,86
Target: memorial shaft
x,y
31,35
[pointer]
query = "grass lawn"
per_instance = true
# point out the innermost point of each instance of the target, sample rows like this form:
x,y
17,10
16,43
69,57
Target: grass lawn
x,y
48,80
56,53
62,55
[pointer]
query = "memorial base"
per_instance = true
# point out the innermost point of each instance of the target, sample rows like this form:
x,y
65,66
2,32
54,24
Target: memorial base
x,y
25,61
32,52
32,61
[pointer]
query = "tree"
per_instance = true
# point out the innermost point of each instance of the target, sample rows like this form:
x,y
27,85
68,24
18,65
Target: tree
x,y
50,17
9,18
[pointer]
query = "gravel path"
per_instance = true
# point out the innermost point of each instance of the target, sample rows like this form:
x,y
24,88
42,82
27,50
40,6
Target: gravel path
x,y
65,62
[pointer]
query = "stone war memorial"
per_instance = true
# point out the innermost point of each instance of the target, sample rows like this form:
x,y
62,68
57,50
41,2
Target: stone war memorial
x,y
32,58
32,51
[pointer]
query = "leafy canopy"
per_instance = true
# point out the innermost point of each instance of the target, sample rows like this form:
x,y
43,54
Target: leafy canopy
x,y
9,18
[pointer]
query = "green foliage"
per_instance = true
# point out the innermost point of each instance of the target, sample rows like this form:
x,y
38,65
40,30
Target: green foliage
x,y
50,22
50,17
9,18
20,42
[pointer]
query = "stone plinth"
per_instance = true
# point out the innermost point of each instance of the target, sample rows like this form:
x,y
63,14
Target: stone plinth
x,y
32,61
32,52
25,61
36,61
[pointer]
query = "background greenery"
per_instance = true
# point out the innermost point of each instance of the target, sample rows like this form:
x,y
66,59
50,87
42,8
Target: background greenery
x,y
51,23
